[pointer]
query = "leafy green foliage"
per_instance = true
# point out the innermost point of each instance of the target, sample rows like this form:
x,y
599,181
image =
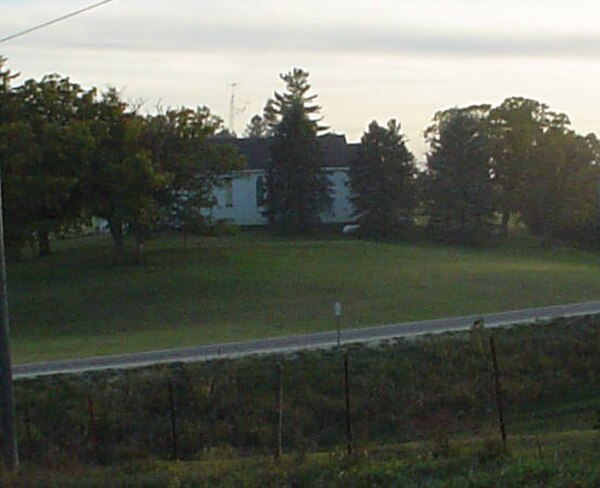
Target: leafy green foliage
x,y
516,125
383,181
69,155
49,144
14,144
122,179
561,196
544,170
178,142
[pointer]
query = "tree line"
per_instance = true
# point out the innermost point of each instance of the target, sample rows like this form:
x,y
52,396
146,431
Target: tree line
x,y
69,154
520,159
485,166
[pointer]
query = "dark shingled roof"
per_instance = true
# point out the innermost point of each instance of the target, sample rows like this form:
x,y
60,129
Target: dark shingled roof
x,y
336,151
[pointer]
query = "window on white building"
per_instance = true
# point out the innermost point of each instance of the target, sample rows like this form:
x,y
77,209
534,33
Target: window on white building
x,y
261,191
228,188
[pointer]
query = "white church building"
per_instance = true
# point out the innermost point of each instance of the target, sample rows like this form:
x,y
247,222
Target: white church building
x,y
241,197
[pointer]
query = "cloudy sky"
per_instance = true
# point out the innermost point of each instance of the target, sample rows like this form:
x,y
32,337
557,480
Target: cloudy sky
x,y
368,59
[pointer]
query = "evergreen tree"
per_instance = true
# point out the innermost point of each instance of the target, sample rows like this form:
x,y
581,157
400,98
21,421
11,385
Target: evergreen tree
x,y
297,188
382,179
257,128
460,189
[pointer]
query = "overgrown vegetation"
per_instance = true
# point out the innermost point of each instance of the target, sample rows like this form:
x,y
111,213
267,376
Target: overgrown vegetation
x,y
553,460
437,390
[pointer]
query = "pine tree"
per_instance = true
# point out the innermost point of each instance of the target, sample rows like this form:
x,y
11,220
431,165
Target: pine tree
x,y
460,188
297,188
257,128
382,179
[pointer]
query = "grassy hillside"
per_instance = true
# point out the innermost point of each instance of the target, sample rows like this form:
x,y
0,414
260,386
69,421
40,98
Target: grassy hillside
x,y
222,289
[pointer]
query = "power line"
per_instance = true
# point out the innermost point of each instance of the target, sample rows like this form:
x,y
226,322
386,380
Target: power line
x,y
54,21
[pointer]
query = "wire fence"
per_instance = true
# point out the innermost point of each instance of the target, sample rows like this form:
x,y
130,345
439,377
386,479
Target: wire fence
x,y
436,389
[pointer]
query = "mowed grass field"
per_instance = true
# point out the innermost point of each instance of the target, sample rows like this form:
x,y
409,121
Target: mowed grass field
x,y
75,303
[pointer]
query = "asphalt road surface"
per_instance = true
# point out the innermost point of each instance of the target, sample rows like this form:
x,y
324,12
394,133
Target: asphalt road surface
x,y
318,340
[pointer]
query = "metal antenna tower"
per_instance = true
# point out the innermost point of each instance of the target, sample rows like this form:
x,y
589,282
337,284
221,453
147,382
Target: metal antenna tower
x,y
234,108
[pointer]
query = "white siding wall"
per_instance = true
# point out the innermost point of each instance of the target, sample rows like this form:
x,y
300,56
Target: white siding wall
x,y
342,209
245,210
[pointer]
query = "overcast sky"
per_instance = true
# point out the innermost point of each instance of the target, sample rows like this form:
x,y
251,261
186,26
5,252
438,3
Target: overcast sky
x,y
368,59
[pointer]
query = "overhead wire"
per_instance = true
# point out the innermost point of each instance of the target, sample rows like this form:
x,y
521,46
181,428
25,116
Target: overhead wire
x,y
54,21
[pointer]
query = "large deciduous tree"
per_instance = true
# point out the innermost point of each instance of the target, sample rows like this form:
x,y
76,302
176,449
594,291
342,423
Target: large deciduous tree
x,y
516,127
14,144
178,141
545,172
56,145
460,190
382,179
562,182
122,180
298,189
155,169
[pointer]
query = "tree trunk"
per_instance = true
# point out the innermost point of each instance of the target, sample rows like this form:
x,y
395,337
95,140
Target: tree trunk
x,y
504,223
43,239
139,249
116,231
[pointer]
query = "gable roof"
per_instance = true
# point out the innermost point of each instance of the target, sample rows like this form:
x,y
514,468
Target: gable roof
x,y
336,152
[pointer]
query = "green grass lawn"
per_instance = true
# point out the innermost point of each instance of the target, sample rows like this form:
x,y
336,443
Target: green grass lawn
x,y
75,303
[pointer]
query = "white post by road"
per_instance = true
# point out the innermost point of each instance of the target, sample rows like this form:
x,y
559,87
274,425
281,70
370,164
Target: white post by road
x,y
337,311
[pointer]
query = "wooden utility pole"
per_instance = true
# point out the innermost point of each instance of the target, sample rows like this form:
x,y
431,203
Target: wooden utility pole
x,y
10,451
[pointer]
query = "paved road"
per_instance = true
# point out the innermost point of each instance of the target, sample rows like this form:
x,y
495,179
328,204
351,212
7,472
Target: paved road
x,y
298,342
